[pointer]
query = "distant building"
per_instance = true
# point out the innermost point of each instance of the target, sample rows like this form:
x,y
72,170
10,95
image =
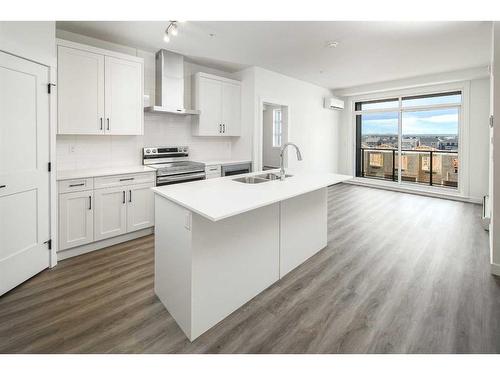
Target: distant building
x,y
448,143
429,141
409,143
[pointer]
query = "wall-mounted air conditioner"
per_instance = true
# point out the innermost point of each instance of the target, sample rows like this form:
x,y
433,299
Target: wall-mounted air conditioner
x,y
334,103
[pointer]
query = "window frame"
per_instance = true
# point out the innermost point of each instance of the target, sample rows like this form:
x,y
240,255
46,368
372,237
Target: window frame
x,y
277,134
462,89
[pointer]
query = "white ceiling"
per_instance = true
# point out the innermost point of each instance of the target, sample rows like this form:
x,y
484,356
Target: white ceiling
x,y
368,52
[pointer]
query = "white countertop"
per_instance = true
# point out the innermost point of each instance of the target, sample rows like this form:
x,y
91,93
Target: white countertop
x,y
220,198
70,174
222,161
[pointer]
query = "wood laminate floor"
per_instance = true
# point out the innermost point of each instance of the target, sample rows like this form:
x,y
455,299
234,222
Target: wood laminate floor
x,y
401,274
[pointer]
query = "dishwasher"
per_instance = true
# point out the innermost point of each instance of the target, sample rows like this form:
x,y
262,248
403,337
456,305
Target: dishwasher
x,y
234,169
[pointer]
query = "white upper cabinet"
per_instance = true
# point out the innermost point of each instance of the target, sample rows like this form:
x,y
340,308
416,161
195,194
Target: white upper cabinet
x,y
99,91
123,96
231,108
80,76
219,101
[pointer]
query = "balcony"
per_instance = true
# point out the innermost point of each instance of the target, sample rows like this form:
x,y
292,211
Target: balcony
x,y
416,166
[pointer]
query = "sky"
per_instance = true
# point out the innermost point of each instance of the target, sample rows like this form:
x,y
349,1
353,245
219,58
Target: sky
x,y
439,121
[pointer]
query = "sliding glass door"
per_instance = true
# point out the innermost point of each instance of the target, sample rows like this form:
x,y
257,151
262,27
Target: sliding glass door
x,y
413,139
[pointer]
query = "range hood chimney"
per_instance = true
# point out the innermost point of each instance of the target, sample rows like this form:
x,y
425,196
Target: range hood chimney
x,y
169,88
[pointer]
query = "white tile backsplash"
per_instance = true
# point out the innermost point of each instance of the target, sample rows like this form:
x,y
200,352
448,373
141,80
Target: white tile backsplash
x,y
91,151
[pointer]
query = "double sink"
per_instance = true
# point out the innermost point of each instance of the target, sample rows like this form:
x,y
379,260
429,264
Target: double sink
x,y
259,178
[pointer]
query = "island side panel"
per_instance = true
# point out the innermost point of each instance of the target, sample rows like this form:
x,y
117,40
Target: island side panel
x,y
233,260
173,260
303,228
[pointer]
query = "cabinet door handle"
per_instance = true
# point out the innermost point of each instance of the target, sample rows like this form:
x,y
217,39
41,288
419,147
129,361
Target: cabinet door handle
x,y
108,123
90,202
101,123
3,186
123,196
220,128
223,128
130,196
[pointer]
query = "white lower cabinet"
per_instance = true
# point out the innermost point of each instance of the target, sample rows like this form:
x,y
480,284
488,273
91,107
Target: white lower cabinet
x,y
110,216
96,214
140,208
76,219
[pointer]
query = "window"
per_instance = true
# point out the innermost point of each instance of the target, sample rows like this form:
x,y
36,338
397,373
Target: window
x,y
277,127
410,139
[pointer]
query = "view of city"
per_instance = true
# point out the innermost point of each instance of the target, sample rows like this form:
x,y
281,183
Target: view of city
x,y
429,147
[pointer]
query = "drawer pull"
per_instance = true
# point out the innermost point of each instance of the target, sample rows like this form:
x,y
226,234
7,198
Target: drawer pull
x,y
127,179
74,185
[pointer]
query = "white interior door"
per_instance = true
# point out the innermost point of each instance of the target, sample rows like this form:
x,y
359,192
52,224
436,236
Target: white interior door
x,y
110,213
210,107
123,97
231,108
80,86
140,210
24,176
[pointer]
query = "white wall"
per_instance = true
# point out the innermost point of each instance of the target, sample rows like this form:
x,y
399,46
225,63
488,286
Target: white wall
x,y
30,40
479,137
312,127
79,151
478,130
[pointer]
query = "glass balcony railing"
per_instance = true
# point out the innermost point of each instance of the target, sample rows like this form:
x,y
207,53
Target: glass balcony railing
x,y
416,166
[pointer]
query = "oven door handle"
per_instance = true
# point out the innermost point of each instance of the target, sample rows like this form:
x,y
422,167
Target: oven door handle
x,y
184,177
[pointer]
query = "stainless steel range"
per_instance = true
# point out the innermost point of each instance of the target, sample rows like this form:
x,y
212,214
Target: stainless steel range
x,y
172,165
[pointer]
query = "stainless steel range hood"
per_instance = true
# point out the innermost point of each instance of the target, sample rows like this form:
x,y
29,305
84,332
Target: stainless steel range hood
x,y
169,87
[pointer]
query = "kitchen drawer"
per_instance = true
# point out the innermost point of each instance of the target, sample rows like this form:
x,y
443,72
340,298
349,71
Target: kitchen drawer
x,y
67,186
124,179
213,169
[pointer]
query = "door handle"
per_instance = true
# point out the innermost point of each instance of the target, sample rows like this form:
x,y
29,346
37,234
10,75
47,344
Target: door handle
x,y
123,196
2,186
90,202
101,123
108,123
130,196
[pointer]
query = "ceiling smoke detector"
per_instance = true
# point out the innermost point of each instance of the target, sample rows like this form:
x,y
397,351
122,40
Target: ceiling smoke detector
x,y
331,44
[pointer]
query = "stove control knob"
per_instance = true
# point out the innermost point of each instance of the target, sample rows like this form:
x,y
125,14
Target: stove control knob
x,y
148,151
154,151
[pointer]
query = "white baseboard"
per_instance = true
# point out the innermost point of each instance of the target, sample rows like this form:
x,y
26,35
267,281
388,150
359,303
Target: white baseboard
x,y
495,269
79,250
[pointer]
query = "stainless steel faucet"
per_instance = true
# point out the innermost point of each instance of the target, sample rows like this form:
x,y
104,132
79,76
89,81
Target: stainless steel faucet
x,y
282,151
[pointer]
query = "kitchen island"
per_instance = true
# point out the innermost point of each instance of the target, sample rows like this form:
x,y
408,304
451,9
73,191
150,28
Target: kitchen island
x,y
220,242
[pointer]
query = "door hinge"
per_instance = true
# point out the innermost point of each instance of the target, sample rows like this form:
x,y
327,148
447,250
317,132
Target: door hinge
x,y
49,85
49,244
49,166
